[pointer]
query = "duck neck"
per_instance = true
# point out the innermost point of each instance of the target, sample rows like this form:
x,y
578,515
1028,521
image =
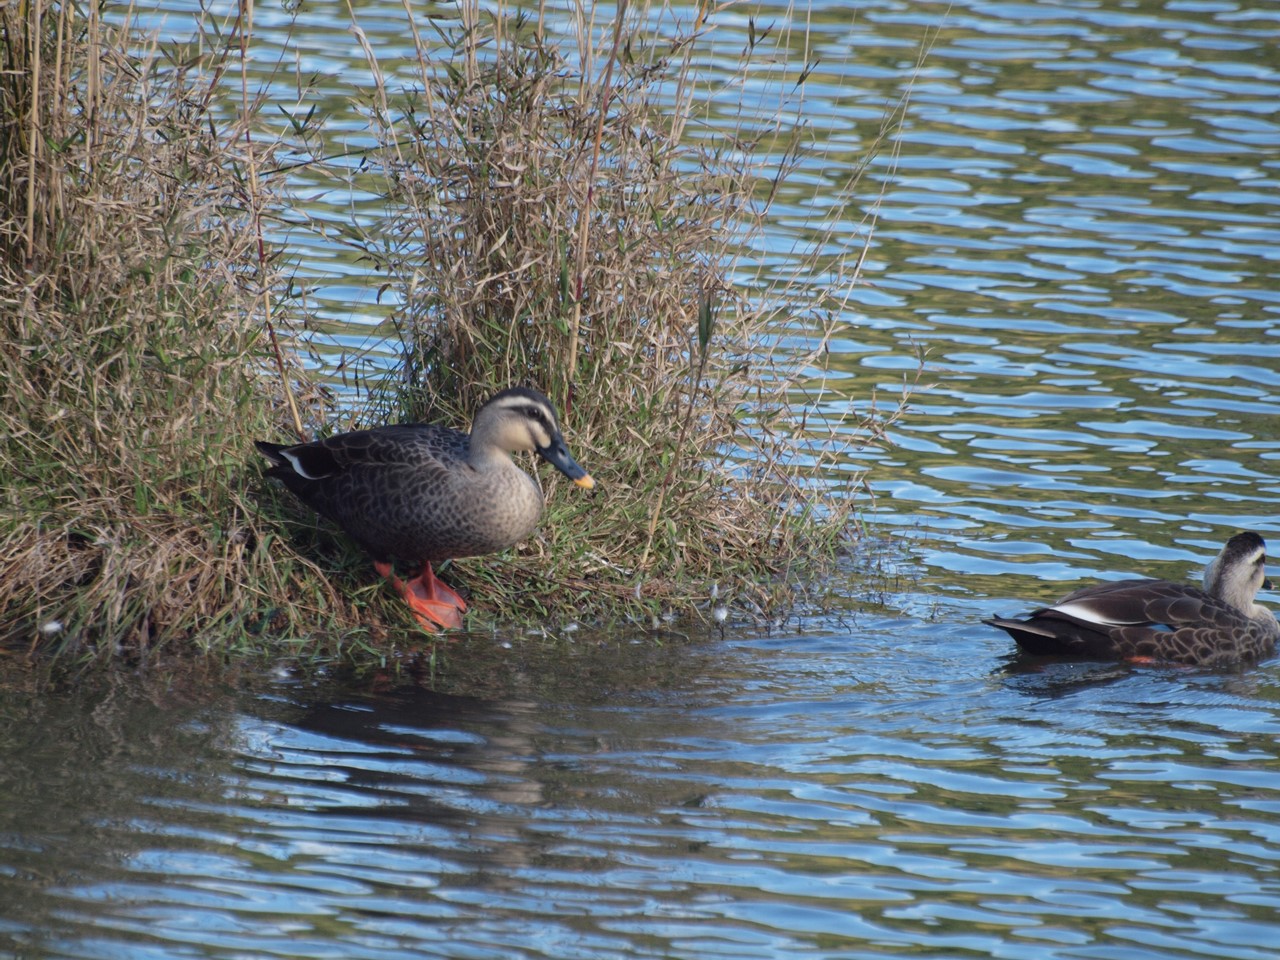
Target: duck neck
x,y
484,450
1240,595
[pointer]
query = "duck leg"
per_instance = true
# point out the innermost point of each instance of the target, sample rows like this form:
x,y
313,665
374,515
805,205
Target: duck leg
x,y
431,601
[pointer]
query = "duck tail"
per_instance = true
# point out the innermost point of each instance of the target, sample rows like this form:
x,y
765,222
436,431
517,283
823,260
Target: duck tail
x,y
271,451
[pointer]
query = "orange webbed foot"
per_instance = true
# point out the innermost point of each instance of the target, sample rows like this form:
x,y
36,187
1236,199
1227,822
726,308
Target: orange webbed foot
x,y
433,604
438,590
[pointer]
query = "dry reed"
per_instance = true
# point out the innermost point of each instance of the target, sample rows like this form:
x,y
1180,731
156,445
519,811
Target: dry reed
x,y
550,219
132,356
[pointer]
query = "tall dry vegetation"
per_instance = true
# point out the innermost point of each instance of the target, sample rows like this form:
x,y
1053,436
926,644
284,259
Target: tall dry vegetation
x,y
547,220
130,351
550,219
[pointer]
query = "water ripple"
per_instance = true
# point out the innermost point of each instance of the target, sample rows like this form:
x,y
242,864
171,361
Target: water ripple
x,y
1078,227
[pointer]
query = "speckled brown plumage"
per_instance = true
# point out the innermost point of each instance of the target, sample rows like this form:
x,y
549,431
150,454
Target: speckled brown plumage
x,y
1161,620
405,491
423,493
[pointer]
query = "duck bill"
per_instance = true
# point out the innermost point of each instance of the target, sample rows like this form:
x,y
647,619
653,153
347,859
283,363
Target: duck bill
x,y
557,454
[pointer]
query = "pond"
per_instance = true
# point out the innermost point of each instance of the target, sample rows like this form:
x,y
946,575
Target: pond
x,y
892,787
1080,230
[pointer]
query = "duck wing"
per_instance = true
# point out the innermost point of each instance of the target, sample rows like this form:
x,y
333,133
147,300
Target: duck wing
x,y
420,446
1140,618
372,483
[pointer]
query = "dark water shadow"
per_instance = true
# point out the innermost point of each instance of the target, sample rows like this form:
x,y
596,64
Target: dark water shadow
x,y
85,770
1054,677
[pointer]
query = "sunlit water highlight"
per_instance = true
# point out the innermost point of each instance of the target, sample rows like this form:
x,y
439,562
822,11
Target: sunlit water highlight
x,y
1081,230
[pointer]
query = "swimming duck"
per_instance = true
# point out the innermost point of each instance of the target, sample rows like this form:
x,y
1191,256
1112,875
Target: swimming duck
x,y
1161,620
422,493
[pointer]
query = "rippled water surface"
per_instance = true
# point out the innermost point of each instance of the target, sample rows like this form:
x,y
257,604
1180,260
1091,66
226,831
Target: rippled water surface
x,y
891,788
1080,231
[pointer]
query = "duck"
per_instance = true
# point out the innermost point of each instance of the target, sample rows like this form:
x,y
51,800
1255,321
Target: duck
x,y
1162,620
422,493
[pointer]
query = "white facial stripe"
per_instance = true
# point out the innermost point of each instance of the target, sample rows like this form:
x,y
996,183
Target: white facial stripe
x,y
538,434
520,403
536,429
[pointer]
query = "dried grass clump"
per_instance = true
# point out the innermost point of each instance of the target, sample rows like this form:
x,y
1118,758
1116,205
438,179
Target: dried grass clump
x,y
549,221
130,352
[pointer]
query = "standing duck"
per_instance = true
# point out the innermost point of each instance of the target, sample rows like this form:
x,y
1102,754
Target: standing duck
x,y
422,493
1162,620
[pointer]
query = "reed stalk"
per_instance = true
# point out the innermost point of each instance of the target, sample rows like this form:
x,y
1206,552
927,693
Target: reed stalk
x,y
550,219
133,292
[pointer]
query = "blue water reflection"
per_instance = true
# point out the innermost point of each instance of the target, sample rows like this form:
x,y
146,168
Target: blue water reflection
x,y
1079,231
897,787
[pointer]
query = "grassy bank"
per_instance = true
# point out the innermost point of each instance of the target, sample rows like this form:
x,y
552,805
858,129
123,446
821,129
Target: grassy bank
x,y
583,211
547,220
134,355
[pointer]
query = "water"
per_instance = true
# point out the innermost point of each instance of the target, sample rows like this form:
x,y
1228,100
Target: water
x,y
894,788
1081,231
